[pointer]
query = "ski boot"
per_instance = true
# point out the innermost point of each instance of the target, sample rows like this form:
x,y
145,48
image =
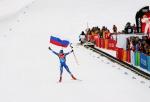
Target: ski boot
x,y
74,78
60,80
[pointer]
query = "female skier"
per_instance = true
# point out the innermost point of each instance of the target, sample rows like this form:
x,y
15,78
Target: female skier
x,y
62,59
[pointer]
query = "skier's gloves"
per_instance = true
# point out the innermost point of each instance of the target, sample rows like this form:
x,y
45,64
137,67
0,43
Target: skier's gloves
x,y
49,48
71,50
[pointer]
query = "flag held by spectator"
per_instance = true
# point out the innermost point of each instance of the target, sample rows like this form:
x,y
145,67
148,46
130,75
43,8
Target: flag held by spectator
x,y
58,41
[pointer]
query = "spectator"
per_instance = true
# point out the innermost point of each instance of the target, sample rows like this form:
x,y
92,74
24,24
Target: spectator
x,y
132,46
114,29
134,28
107,34
101,34
145,48
82,37
128,28
149,50
137,47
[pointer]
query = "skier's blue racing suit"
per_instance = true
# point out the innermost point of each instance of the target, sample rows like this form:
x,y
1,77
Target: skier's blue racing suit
x,y
62,59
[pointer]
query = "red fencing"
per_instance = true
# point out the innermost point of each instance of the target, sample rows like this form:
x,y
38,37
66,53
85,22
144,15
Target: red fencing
x,y
123,55
112,44
98,42
119,53
102,43
105,43
92,38
128,57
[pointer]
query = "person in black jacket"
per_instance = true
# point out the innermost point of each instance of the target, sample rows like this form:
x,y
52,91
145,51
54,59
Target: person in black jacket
x,y
128,28
114,29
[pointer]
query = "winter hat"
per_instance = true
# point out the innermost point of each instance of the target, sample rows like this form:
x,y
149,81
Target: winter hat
x,y
61,51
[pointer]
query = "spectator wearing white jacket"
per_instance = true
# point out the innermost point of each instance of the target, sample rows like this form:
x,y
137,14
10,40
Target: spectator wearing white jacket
x,y
82,38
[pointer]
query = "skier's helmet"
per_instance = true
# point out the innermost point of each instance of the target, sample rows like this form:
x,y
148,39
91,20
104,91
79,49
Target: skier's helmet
x,y
61,51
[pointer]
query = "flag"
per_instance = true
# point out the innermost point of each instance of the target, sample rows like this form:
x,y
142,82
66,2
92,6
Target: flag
x,y
58,41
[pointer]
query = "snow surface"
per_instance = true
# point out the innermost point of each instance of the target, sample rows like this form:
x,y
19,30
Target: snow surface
x,y
29,71
8,7
110,52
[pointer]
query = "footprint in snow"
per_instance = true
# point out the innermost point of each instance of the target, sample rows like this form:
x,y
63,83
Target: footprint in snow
x,y
125,73
10,29
133,77
107,63
142,82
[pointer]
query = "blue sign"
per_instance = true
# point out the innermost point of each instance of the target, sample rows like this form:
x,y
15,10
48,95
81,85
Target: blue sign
x,y
148,62
143,61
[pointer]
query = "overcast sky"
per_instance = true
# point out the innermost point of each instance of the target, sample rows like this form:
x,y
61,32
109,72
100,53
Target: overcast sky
x,y
95,12
101,12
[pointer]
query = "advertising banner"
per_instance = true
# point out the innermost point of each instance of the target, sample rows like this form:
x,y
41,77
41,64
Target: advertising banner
x,y
148,62
143,61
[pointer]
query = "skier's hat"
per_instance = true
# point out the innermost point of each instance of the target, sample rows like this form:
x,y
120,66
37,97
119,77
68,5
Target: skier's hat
x,y
61,51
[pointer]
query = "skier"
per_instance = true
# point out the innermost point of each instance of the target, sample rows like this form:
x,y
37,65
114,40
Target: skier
x,y
62,59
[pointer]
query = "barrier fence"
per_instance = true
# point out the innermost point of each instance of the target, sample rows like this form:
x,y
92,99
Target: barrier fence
x,y
134,58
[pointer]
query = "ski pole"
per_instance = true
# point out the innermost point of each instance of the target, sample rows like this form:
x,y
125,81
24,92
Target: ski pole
x,y
74,54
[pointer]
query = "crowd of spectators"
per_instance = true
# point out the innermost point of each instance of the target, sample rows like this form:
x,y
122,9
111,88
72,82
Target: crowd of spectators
x,y
133,43
137,44
103,32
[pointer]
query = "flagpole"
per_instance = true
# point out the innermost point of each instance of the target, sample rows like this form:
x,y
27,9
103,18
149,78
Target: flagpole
x,y
87,31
